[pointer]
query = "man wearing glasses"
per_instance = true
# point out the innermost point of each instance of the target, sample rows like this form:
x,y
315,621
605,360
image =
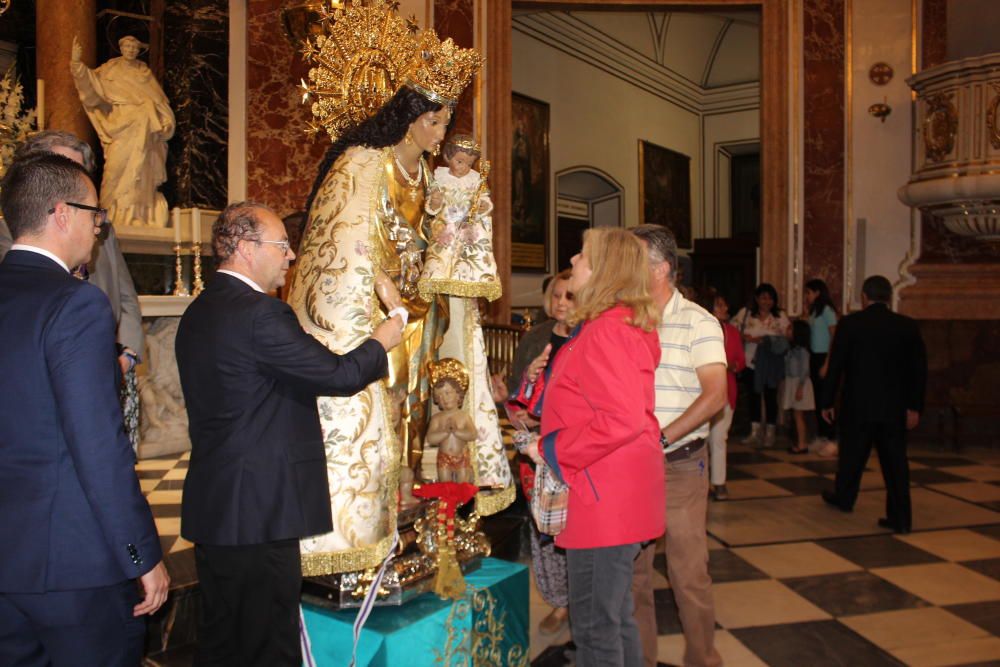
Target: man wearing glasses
x,y
106,269
257,480
74,525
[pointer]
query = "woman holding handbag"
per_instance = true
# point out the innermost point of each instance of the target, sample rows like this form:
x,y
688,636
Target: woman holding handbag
x,y
536,350
600,437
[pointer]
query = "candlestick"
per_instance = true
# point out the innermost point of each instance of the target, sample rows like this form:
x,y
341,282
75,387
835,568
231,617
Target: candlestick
x,y
177,226
198,285
180,289
196,226
40,104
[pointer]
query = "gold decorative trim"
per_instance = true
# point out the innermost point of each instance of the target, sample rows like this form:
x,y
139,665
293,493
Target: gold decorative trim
x,y
428,287
430,94
940,126
491,502
991,117
327,562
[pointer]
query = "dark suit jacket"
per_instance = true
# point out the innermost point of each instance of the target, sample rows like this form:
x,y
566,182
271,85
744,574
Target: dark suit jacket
x,y
71,512
880,359
109,272
251,376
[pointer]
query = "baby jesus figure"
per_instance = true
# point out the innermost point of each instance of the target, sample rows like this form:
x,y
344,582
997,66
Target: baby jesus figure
x,y
459,259
451,428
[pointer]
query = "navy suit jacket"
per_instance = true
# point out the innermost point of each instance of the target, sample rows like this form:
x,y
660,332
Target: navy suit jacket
x,y
250,376
72,515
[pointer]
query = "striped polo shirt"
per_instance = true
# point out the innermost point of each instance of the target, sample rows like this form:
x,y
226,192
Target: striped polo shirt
x,y
690,337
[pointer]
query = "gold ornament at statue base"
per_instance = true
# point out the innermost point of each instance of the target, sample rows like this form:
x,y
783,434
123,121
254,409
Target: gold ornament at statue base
x,y
413,570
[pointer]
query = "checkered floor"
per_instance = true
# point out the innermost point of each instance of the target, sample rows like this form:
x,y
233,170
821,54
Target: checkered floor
x,y
797,583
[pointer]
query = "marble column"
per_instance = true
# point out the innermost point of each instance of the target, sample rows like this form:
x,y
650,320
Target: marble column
x,y
823,154
57,21
455,18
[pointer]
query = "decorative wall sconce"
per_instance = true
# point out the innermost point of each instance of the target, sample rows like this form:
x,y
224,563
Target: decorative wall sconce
x,y
880,110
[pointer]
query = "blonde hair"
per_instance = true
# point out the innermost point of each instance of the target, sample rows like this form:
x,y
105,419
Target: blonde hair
x,y
619,275
565,274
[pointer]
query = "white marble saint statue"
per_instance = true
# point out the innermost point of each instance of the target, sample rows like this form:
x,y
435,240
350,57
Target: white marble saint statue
x,y
164,419
133,119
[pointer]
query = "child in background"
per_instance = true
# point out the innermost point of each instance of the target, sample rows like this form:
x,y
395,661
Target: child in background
x,y
718,435
797,389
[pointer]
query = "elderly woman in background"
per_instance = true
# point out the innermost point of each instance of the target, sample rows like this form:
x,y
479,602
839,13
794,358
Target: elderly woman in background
x,y
534,353
600,436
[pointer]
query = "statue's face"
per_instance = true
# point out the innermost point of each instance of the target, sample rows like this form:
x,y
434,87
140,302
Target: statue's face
x,y
461,163
130,49
446,396
428,129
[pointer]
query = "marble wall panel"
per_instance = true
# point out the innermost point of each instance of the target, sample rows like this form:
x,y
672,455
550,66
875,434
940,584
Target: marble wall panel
x,y
934,28
196,80
963,363
456,19
823,151
281,158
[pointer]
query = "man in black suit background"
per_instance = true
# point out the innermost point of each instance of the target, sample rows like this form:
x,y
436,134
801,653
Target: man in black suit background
x,y
257,480
75,529
879,358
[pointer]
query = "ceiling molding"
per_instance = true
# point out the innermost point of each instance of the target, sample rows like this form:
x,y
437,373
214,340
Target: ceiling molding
x,y
659,33
587,43
710,61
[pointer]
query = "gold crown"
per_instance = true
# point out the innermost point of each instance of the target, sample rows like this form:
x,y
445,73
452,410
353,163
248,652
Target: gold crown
x,y
449,368
465,143
440,71
359,63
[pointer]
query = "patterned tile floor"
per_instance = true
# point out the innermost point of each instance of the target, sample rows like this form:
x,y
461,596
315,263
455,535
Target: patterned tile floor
x,y
797,583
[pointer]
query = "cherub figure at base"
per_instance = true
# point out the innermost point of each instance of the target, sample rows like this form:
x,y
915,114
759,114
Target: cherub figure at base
x,y
459,259
452,428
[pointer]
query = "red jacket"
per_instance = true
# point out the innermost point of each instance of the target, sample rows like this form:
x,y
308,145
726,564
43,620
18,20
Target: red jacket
x,y
600,436
735,359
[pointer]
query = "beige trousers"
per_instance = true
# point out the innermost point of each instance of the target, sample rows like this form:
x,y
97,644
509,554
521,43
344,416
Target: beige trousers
x,y
687,566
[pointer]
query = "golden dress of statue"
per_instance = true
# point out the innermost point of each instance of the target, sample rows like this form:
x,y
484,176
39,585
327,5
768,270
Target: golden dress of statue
x,y
361,256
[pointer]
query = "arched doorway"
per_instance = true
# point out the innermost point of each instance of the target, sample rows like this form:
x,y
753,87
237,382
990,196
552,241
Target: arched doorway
x,y
774,119
585,197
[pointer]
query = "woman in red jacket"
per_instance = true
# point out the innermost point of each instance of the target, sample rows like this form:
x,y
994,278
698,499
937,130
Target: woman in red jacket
x,y
600,436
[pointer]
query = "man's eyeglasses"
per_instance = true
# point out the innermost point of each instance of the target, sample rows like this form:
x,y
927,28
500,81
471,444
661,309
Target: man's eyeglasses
x,y
284,245
100,214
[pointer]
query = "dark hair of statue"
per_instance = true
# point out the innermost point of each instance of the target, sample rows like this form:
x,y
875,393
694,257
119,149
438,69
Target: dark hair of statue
x,y
386,128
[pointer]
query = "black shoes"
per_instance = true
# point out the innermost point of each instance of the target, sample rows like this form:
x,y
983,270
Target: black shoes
x,y
830,498
899,530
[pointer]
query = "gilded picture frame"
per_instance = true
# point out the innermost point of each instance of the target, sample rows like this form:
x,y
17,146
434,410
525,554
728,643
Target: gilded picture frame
x,y
665,190
529,220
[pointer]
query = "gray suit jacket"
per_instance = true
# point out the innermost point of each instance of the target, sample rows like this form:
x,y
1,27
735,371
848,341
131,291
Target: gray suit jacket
x,y
109,272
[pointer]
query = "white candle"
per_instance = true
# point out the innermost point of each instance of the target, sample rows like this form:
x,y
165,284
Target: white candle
x,y
40,104
196,225
177,226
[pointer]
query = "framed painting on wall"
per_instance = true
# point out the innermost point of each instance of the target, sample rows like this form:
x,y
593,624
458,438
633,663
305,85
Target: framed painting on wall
x,y
665,190
529,219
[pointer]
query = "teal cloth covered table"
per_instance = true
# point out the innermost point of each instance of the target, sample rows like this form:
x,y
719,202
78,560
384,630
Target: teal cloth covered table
x,y
488,627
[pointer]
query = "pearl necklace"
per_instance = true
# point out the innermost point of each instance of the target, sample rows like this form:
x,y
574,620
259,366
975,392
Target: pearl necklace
x,y
412,183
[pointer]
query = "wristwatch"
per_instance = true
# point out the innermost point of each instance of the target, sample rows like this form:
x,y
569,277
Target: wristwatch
x,y
663,441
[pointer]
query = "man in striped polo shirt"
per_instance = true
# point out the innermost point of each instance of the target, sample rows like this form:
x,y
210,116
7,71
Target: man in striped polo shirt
x,y
690,390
